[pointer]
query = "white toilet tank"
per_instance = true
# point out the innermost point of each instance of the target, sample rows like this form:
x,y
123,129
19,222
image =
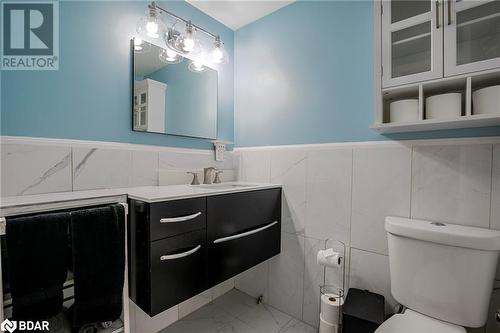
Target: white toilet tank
x,y
445,271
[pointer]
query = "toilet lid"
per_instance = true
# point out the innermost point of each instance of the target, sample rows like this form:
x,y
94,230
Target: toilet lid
x,y
414,322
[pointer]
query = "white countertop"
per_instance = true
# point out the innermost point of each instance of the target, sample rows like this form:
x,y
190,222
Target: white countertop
x,y
175,192
145,193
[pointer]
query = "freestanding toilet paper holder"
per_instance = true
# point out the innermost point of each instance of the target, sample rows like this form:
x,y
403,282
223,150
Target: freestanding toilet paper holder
x,y
331,296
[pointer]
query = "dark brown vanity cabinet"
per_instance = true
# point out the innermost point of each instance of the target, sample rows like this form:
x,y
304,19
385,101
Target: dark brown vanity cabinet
x,y
180,248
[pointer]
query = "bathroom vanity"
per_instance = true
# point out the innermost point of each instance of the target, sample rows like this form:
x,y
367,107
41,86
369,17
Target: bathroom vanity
x,y
182,239
182,243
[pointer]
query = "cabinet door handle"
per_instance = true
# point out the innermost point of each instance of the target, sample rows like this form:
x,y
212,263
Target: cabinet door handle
x,y
180,218
180,255
244,234
437,14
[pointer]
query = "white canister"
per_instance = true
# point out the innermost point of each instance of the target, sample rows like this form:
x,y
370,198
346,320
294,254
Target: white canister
x,y
404,110
486,100
326,327
444,106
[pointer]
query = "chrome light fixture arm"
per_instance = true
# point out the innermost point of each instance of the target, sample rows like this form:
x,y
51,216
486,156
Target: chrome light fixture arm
x,y
154,6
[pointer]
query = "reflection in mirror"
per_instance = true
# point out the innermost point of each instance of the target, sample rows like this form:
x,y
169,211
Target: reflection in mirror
x,y
172,94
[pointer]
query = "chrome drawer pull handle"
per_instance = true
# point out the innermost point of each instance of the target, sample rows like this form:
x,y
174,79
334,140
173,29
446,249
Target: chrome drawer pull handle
x,y
180,255
180,218
244,234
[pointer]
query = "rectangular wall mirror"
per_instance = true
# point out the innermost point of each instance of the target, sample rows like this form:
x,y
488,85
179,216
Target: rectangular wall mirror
x,y
170,98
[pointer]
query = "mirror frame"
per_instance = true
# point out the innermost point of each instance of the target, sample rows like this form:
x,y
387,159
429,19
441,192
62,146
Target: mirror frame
x,y
132,51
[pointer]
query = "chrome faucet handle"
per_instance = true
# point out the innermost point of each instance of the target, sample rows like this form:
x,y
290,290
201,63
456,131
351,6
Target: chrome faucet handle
x,y
217,178
207,175
195,178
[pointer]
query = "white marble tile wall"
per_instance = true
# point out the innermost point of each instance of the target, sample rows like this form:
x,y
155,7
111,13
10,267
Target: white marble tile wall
x,y
33,167
343,192
452,184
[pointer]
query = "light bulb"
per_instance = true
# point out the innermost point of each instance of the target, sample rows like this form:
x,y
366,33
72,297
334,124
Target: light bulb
x,y
151,24
188,44
152,28
197,66
171,55
138,44
217,55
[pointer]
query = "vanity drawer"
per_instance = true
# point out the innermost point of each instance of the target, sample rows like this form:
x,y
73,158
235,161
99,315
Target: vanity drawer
x,y
232,255
172,218
178,269
230,214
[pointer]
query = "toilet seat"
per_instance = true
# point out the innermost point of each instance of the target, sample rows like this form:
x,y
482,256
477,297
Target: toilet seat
x,y
414,322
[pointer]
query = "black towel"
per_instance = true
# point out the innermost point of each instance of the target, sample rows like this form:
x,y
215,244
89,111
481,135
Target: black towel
x,y
36,246
98,240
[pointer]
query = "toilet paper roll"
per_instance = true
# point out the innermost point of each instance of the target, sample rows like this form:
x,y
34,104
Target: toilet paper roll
x,y
326,327
331,306
329,258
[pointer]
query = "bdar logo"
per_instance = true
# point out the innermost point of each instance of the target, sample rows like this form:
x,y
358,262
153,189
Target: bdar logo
x,y
8,325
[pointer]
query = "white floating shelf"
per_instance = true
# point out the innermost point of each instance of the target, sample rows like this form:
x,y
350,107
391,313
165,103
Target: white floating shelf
x,y
465,84
439,124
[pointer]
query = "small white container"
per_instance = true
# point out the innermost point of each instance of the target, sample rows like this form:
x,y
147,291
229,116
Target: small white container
x,y
405,110
445,106
486,100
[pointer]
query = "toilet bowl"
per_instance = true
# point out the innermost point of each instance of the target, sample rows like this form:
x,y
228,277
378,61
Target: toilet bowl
x,y
414,322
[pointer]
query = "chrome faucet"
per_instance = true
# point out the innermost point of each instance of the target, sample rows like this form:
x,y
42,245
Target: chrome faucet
x,y
207,175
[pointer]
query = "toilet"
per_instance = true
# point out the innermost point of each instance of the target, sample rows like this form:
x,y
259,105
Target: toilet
x,y
442,274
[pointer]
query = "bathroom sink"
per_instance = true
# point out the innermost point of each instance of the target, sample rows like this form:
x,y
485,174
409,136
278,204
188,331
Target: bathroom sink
x,y
223,186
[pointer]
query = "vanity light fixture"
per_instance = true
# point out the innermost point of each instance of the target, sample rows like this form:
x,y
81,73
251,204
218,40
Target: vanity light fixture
x,y
182,40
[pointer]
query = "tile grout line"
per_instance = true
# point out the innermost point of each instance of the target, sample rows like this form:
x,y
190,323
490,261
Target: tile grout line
x,y
347,247
369,251
412,155
307,158
492,161
268,274
71,165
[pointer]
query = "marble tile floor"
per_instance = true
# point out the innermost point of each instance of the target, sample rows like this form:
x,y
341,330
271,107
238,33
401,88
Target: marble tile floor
x,y
237,312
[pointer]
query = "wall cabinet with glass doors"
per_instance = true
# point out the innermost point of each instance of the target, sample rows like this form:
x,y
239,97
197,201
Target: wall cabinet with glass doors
x,y
427,48
425,40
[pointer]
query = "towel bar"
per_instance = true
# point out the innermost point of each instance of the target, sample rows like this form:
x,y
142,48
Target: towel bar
x,y
3,221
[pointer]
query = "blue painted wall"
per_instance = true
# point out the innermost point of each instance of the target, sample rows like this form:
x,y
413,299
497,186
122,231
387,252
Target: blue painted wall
x,y
304,74
90,96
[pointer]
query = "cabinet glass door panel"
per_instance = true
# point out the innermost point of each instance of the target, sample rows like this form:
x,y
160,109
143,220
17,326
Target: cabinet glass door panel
x,y
411,50
472,36
411,42
402,10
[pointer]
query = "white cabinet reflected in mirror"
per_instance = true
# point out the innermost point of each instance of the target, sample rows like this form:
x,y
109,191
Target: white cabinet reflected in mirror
x,y
175,97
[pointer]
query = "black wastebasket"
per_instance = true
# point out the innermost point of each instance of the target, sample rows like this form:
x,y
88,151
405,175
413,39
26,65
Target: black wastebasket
x,y
363,311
